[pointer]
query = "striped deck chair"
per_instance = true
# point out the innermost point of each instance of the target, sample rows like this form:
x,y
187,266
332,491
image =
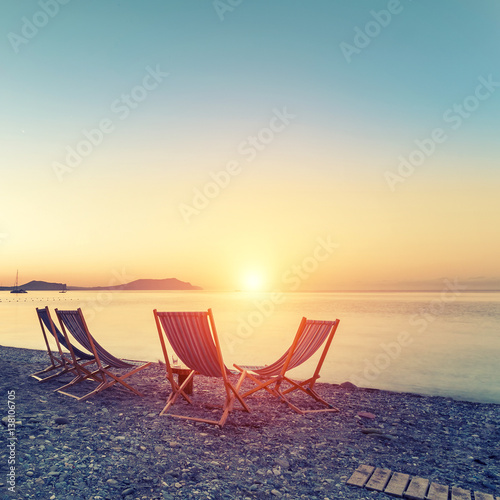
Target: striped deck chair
x,y
69,361
74,323
193,337
310,336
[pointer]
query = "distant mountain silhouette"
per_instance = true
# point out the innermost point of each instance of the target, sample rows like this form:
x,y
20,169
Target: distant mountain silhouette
x,y
43,285
142,284
147,284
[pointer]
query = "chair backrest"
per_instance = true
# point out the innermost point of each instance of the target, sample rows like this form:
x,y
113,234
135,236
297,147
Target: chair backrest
x,y
44,316
75,323
193,338
309,338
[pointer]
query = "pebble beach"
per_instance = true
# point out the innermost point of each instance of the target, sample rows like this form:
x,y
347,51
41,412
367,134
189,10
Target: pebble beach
x,y
116,445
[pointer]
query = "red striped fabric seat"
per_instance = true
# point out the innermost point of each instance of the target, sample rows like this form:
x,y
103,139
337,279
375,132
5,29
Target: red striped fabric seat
x,y
73,361
273,378
310,340
74,323
44,315
193,338
190,337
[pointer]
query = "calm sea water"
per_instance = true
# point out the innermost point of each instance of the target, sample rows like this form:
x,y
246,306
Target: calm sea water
x,y
444,343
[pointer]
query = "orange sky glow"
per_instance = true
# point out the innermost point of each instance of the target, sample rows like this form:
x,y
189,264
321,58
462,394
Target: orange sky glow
x,y
239,158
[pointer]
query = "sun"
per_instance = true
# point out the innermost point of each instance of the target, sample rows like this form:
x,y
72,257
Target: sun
x,y
253,281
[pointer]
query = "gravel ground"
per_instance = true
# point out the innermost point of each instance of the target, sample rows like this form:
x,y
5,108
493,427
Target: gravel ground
x,y
116,446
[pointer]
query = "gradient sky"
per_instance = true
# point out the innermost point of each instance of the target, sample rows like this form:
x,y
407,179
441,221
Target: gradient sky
x,y
312,108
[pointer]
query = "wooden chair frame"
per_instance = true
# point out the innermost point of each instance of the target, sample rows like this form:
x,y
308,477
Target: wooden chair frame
x,y
74,322
272,377
74,361
209,336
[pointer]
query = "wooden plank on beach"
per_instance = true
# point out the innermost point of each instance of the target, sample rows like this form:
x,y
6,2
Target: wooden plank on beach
x,y
361,475
378,480
437,492
397,484
482,496
417,489
459,494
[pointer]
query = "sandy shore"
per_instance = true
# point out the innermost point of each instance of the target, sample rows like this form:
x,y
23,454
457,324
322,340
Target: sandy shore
x,y
116,445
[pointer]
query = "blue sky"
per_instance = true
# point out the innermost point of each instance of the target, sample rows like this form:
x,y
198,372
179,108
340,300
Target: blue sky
x,y
324,174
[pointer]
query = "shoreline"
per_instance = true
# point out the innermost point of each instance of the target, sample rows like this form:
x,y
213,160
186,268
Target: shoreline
x,y
422,393
115,445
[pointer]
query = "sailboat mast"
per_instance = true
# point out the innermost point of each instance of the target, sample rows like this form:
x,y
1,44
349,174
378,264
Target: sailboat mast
x,y
16,288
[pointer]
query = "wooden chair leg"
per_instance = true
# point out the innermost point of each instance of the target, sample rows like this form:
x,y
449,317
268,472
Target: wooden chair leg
x,y
180,391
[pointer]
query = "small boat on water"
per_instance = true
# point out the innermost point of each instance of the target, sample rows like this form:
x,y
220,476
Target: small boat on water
x,y
17,288
64,289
